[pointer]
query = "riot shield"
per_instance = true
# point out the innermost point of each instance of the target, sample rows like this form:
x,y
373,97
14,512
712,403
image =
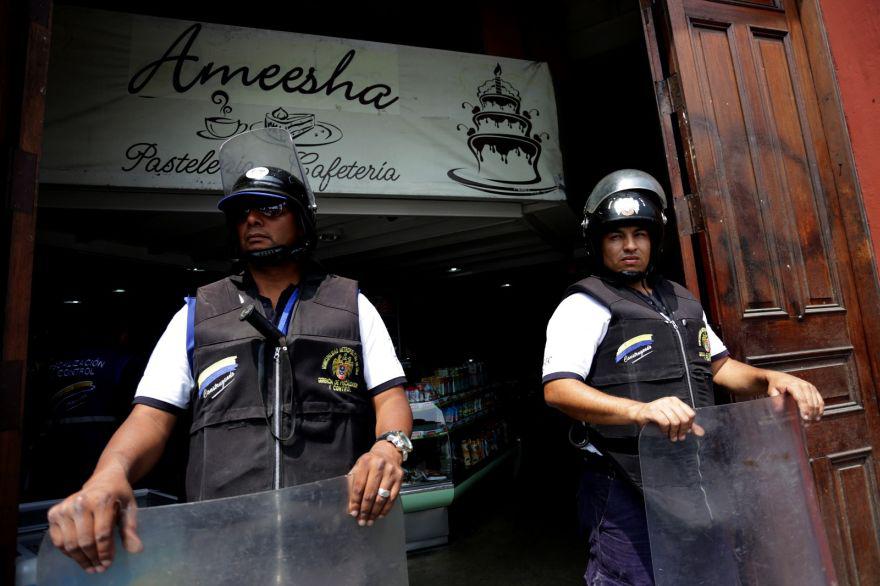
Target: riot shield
x,y
736,505
295,536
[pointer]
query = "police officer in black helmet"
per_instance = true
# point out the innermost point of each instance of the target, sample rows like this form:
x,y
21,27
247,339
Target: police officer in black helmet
x,y
626,348
312,351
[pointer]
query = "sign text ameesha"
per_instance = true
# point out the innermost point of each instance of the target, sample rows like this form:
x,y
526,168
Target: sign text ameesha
x,y
294,80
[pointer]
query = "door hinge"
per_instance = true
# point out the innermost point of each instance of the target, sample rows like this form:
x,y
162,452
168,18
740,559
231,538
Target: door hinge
x,y
695,205
689,215
669,95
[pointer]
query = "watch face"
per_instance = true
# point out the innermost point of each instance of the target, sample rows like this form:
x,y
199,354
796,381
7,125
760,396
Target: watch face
x,y
400,441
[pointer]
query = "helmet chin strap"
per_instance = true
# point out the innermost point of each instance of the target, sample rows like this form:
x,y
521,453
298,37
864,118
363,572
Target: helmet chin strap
x,y
630,277
627,278
622,277
275,255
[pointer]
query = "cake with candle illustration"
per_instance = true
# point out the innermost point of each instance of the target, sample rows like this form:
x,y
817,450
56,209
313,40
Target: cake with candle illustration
x,y
500,139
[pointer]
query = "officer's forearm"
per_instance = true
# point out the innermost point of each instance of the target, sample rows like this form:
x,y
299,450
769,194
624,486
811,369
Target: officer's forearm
x,y
740,378
138,443
584,403
392,411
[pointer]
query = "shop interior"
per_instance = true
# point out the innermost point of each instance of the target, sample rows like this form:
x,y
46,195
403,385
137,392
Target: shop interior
x,y
465,287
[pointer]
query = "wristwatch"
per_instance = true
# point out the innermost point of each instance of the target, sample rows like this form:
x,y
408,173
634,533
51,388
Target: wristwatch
x,y
399,440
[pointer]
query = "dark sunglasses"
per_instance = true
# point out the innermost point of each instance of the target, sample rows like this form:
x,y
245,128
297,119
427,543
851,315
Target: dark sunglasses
x,y
272,211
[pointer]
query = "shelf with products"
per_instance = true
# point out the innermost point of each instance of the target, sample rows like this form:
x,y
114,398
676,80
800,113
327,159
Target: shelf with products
x,y
442,466
447,385
443,430
461,435
458,397
458,423
457,410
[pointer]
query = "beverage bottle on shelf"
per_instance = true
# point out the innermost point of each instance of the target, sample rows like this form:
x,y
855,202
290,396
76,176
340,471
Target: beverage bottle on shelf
x,y
466,453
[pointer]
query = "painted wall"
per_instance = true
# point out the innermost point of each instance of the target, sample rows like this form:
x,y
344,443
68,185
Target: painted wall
x,y
853,28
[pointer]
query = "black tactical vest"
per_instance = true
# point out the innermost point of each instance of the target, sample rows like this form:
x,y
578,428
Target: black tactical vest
x,y
645,356
328,419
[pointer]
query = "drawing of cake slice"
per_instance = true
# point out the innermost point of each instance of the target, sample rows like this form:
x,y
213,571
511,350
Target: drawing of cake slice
x,y
295,124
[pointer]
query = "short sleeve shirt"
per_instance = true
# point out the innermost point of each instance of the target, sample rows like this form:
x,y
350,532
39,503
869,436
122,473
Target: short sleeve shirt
x,y
168,381
575,331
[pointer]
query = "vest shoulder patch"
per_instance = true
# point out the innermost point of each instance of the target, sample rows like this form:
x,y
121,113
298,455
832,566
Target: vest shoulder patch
x,y
635,349
217,376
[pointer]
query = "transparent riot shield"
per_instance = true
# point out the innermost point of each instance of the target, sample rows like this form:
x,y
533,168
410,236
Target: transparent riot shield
x,y
296,536
736,505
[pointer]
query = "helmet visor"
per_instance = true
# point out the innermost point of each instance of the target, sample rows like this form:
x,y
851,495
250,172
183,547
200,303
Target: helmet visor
x,y
251,152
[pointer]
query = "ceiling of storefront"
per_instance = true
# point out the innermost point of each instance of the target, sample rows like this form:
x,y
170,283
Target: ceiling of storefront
x,y
420,238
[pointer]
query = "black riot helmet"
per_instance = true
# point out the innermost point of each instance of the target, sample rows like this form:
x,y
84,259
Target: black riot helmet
x,y
261,168
624,198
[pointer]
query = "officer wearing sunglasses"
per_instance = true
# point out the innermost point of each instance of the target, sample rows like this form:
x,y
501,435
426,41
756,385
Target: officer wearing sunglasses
x,y
338,381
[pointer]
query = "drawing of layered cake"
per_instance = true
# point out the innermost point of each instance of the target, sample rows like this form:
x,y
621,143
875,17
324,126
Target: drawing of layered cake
x,y
501,140
501,143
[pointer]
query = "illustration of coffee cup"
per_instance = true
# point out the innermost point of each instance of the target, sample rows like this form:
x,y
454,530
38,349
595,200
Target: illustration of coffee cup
x,y
223,127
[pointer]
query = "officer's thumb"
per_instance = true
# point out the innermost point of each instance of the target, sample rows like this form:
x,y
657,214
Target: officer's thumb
x,y
128,528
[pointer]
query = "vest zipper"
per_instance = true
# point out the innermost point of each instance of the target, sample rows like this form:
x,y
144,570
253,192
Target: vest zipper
x,y
278,410
684,359
276,484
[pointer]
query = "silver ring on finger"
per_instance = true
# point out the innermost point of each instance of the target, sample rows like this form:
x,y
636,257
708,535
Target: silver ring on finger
x,y
383,493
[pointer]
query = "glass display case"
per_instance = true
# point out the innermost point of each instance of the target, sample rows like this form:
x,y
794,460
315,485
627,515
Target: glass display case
x,y
460,433
455,436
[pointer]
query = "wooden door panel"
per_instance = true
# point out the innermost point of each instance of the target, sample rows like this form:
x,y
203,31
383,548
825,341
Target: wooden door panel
x,y
798,186
722,132
768,191
832,370
845,481
777,252
855,490
762,3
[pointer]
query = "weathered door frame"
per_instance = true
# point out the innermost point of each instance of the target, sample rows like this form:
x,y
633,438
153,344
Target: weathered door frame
x,y
23,77
698,275
805,23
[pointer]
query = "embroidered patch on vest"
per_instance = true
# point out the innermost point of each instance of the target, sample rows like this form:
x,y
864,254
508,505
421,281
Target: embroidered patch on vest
x,y
215,378
72,395
635,349
703,341
340,365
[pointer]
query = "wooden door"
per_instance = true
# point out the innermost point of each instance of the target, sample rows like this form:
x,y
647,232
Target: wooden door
x,y
777,238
